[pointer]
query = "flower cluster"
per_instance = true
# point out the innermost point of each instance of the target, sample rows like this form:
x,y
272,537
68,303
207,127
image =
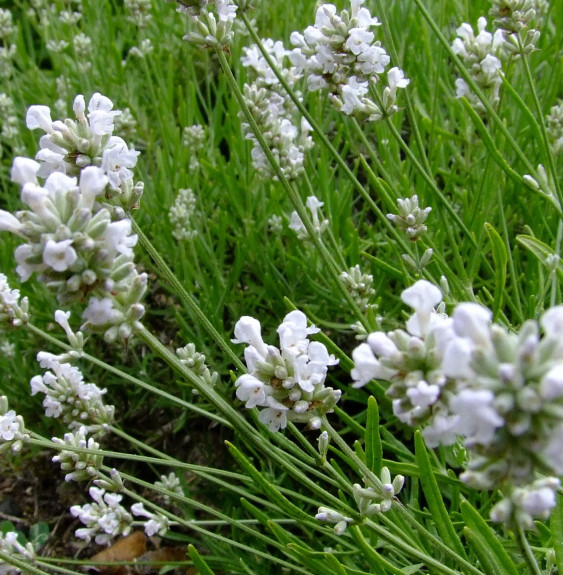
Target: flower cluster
x,y
181,213
156,524
462,376
287,383
212,31
339,54
71,145
514,18
12,428
76,248
274,112
410,218
10,545
105,519
68,397
138,12
481,55
297,225
193,138
359,285
81,466
12,311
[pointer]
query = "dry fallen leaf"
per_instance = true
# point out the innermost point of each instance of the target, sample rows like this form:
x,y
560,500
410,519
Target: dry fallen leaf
x,y
126,549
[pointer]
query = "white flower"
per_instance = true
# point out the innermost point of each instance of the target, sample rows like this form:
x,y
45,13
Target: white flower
x,y
478,419
472,321
24,170
551,386
423,394
423,297
9,223
157,523
250,390
248,330
59,255
9,425
441,430
101,312
116,162
274,417
100,115
367,366
39,117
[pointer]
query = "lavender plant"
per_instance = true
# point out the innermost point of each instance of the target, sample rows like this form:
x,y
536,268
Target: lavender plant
x,y
433,443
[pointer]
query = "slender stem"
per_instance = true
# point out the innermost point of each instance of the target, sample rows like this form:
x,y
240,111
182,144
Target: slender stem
x,y
526,551
545,139
324,139
186,298
332,267
475,88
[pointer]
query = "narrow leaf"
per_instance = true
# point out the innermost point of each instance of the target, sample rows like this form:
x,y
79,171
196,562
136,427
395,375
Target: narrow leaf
x,y
434,499
500,259
477,524
373,446
199,563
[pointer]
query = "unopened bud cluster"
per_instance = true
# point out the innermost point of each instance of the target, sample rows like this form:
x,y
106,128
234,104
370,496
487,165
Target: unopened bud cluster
x,y
359,285
410,218
555,127
286,136
81,465
195,361
288,383
213,30
463,377
339,54
181,215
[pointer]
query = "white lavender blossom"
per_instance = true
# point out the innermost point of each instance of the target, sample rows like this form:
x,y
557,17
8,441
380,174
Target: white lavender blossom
x,y
339,54
328,515
10,545
104,519
481,55
73,244
297,225
286,383
80,465
12,311
68,397
463,377
286,135
12,428
157,523
71,145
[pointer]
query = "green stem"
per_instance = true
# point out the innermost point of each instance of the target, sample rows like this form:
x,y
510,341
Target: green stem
x,y
324,139
526,550
186,298
545,139
332,267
